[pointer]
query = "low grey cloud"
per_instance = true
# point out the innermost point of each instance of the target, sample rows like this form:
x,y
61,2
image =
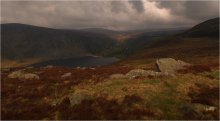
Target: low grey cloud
x,y
117,15
196,10
118,6
137,5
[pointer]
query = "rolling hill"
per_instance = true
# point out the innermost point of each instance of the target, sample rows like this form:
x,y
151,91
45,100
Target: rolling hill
x,y
26,43
139,39
200,44
21,41
209,28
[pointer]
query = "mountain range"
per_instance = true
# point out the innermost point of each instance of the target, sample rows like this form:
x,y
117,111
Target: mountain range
x,y
25,41
21,42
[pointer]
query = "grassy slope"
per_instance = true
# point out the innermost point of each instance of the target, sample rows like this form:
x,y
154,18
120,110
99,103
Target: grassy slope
x,y
193,50
199,45
141,98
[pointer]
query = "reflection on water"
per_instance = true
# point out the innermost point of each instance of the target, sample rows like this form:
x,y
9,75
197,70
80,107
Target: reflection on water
x,y
87,61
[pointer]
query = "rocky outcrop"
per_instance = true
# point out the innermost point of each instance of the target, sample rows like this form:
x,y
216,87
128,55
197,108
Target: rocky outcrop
x,y
138,73
144,73
66,75
170,65
92,68
30,76
82,68
201,108
166,67
21,74
16,74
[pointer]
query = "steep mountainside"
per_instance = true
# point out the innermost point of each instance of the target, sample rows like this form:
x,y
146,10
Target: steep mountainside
x,y
21,41
198,44
140,40
209,28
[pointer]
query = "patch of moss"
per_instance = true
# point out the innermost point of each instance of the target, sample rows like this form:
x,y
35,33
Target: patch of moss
x,y
113,86
214,74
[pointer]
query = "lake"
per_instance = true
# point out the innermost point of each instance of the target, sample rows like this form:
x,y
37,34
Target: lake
x,y
86,61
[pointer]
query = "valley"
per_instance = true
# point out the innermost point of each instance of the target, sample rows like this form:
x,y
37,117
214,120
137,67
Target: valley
x,y
171,74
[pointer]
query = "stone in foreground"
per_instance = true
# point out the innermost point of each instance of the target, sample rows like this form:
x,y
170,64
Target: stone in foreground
x,y
66,75
20,74
170,65
144,73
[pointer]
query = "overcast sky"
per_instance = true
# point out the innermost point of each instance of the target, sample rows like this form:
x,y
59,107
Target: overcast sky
x,y
117,15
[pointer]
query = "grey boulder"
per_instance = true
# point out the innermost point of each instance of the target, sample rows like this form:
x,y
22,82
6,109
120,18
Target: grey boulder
x,y
170,65
20,74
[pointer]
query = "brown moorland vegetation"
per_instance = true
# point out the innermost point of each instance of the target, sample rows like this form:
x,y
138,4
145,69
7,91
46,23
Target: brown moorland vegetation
x,y
111,99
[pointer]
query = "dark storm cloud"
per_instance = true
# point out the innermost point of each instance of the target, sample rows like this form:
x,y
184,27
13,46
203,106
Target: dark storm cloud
x,y
116,15
137,5
201,10
118,6
192,9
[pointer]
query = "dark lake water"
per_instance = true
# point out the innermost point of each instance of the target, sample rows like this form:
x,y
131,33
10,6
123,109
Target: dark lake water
x,y
86,61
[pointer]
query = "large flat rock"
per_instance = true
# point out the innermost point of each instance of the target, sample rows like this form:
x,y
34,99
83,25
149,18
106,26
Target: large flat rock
x,y
170,65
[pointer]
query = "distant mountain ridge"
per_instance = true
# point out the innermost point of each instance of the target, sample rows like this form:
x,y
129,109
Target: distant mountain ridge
x,y
209,28
200,43
20,41
27,41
